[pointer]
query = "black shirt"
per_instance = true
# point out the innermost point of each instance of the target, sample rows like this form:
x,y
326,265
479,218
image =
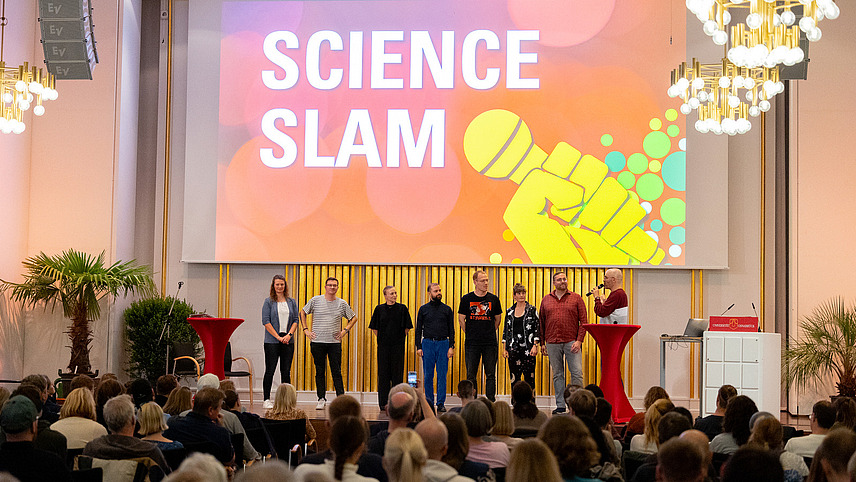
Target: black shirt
x,y
26,462
481,314
710,425
436,321
194,427
390,321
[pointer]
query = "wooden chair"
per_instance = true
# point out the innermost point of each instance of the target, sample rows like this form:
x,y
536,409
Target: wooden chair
x,y
229,373
289,437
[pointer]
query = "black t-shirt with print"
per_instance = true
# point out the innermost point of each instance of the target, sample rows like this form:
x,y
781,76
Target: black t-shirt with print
x,y
481,314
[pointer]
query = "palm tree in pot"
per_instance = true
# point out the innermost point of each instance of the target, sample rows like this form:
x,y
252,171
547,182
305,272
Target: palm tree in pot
x,y
78,281
826,348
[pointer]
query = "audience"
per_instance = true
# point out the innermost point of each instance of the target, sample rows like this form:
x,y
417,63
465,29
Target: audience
x,y
152,426
141,392
477,419
845,413
735,425
18,455
671,425
503,427
179,401
404,456
82,381
636,425
702,444
285,408
348,437
273,470
647,441
121,443
459,447
830,461
200,425
603,419
752,464
533,460
435,438
822,418
251,421
570,441
712,424
526,413
680,460
106,390
164,386
595,390
400,410
46,438
767,434
50,405
42,384
199,467
77,419
466,392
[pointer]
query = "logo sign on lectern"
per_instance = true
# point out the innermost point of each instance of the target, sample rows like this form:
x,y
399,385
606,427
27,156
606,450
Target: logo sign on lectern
x,y
733,323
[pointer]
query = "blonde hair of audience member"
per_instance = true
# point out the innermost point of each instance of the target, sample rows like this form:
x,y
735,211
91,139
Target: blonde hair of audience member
x,y
271,470
571,443
227,385
531,459
151,419
285,398
404,456
348,437
79,403
179,400
652,395
459,443
199,467
504,424
831,460
652,419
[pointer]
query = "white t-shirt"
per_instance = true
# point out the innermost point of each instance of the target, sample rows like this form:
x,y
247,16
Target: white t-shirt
x,y
283,312
327,317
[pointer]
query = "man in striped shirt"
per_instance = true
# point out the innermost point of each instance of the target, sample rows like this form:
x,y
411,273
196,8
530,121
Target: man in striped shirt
x,y
326,335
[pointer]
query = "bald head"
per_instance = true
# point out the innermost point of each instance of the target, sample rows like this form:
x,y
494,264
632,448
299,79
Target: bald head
x,y
612,278
435,436
400,408
699,441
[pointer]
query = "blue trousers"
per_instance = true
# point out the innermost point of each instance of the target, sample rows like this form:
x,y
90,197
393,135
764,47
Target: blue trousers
x,y
435,353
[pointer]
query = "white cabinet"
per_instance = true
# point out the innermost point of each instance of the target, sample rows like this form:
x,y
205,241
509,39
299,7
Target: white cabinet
x,y
749,361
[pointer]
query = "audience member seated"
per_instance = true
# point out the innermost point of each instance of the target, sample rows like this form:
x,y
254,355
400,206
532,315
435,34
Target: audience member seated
x,y
526,413
120,443
41,382
680,461
636,425
400,411
595,390
199,467
164,386
752,464
830,461
152,426
141,392
106,390
435,438
477,419
712,424
570,441
647,441
533,460
82,381
671,425
767,434
180,400
845,413
201,424
735,425
272,470
822,418
702,444
404,456
18,455
466,392
369,465
50,405
77,419
46,438
459,446
503,427
250,421
285,408
603,419
348,437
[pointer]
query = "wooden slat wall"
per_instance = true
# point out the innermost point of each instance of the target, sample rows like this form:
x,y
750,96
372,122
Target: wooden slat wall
x,y
361,287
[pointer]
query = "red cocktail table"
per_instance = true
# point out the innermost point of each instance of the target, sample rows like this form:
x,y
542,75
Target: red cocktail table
x,y
215,333
611,339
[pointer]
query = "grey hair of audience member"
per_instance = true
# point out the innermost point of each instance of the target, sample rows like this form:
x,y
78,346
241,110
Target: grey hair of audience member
x,y
199,467
758,416
118,413
270,470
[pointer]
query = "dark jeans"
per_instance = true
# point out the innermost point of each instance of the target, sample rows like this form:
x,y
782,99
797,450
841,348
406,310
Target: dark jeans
x,y
277,352
320,353
488,354
390,369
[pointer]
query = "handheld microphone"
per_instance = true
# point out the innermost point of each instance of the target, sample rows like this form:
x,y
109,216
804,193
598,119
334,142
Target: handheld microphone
x,y
600,286
726,310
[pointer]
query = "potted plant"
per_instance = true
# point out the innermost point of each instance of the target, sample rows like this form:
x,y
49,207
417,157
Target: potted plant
x,y
826,348
144,321
78,281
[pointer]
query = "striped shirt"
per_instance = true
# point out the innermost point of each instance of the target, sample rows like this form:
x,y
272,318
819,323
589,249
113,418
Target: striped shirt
x,y
327,317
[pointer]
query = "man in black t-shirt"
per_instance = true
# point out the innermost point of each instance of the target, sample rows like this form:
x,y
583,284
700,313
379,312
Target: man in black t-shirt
x,y
390,323
479,314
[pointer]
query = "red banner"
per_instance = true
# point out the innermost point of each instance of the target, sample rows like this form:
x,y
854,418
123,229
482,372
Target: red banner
x,y
733,323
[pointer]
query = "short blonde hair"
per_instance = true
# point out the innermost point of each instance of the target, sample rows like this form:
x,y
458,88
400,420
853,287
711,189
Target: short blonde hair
x,y
404,455
151,419
477,273
227,385
504,420
285,399
78,403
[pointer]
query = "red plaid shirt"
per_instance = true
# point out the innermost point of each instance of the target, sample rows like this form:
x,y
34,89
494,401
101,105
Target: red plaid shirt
x,y
562,319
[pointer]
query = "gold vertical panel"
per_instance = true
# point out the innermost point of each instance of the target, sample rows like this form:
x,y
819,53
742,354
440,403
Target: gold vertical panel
x,y
167,145
220,293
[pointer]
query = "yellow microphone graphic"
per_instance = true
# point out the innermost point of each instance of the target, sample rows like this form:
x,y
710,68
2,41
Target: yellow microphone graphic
x,y
567,210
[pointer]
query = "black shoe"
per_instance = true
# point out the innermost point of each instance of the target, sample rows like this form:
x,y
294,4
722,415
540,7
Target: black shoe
x,y
558,410
441,408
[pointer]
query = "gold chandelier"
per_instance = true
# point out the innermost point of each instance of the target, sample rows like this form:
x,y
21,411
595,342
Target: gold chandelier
x,y
21,88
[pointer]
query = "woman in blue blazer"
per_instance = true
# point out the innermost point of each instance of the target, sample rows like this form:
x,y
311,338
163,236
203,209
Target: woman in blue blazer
x,y
279,342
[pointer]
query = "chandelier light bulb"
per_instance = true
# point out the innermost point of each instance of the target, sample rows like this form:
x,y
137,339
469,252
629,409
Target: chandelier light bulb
x,y
701,126
7,98
764,105
19,127
702,96
738,81
806,24
720,37
750,96
814,34
788,17
686,109
709,27
683,83
753,21
20,86
724,82
832,12
698,83
35,87
39,110
726,17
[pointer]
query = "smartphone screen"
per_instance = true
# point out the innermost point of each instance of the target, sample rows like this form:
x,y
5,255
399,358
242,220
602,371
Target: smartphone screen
x,y
411,379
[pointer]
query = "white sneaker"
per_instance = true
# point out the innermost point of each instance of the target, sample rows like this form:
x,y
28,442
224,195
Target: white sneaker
x,y
321,403
267,405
